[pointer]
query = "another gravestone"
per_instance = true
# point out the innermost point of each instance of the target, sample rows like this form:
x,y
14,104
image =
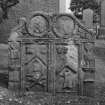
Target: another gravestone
x,y
103,13
101,32
88,18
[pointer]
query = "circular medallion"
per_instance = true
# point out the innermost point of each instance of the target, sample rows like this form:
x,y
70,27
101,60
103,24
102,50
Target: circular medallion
x,y
63,26
38,26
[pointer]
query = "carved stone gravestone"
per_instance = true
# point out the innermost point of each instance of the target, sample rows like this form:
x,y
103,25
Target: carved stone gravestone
x,y
49,55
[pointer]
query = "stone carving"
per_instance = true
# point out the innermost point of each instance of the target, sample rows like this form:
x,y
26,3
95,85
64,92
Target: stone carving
x,y
72,55
66,66
36,75
38,26
64,26
88,54
69,78
15,34
61,50
55,53
14,50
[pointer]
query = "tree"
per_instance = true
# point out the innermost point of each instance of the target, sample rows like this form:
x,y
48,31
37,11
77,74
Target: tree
x,y
4,7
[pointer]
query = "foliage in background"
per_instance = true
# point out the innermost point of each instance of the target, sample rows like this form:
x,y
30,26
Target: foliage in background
x,y
77,6
4,7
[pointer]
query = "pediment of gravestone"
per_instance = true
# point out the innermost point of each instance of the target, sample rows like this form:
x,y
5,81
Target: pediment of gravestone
x,y
61,25
58,23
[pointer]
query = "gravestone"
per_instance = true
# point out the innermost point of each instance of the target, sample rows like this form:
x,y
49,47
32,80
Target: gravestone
x,y
103,13
88,18
101,31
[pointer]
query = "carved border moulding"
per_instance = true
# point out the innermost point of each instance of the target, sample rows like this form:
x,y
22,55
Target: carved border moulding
x,y
32,41
38,25
63,26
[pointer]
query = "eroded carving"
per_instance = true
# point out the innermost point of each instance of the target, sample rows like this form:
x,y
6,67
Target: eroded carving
x,y
38,26
61,50
70,79
88,54
63,26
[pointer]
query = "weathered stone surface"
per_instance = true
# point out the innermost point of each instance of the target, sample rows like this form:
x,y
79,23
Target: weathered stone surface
x,y
64,26
103,13
38,26
88,18
72,56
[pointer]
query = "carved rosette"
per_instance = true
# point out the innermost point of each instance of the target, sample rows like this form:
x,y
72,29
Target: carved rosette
x,y
38,25
63,26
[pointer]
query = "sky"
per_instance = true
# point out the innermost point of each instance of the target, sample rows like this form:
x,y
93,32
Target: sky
x,y
68,6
